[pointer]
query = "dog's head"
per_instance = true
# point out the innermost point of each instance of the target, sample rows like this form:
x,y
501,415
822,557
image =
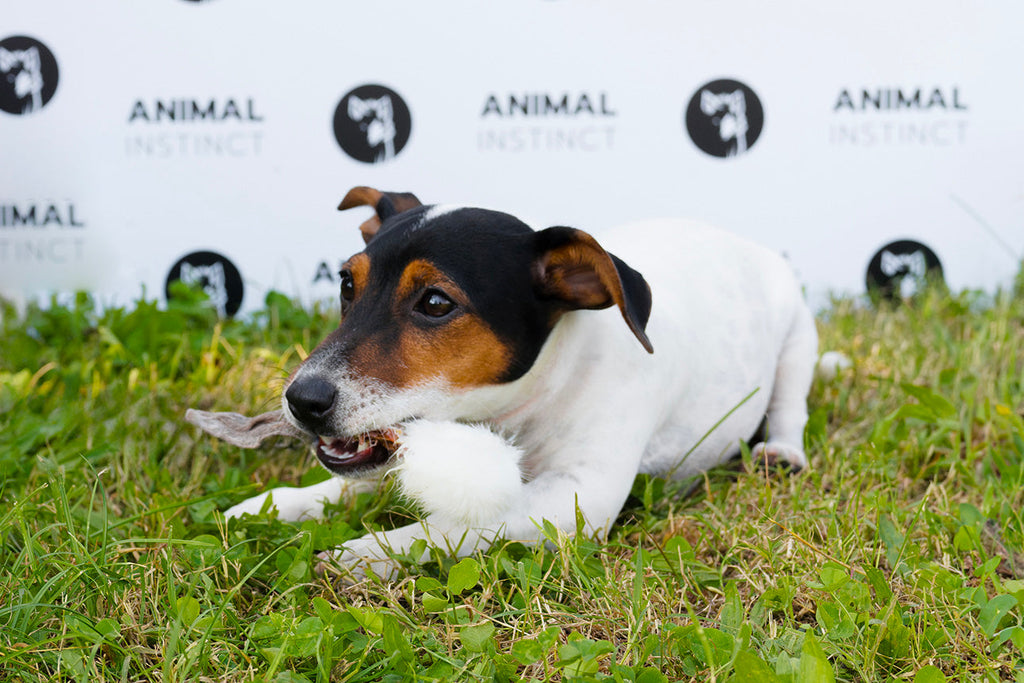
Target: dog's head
x,y
444,301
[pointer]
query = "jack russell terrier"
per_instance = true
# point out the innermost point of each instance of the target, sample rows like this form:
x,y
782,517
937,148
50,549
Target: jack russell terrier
x,y
509,376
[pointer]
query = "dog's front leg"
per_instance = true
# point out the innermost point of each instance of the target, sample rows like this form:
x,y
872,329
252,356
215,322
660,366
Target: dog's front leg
x,y
373,552
593,478
297,503
552,497
465,477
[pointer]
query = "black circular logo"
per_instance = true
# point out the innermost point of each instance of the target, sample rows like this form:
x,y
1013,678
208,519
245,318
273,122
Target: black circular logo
x,y
214,274
724,118
28,75
372,124
900,269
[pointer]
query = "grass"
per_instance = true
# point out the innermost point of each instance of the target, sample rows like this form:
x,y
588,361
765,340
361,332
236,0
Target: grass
x,y
897,557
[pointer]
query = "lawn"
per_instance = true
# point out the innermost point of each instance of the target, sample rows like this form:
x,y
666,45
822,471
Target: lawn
x,y
896,557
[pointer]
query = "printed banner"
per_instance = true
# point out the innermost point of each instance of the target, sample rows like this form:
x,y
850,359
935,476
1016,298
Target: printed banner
x,y
211,141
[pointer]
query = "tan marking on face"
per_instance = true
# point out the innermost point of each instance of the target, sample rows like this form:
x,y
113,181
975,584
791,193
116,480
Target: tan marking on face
x,y
459,349
359,266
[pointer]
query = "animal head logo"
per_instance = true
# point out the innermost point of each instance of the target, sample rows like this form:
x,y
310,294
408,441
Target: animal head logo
x,y
215,275
209,278
901,269
28,75
724,118
728,113
909,269
372,124
376,120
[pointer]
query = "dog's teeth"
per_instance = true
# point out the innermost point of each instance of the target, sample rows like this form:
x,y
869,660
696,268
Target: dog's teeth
x,y
334,452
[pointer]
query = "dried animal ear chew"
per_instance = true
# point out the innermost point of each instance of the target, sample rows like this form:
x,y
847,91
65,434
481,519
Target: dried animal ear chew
x,y
244,432
387,438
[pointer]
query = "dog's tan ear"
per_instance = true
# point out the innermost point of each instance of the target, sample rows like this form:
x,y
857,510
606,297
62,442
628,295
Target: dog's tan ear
x,y
386,204
571,267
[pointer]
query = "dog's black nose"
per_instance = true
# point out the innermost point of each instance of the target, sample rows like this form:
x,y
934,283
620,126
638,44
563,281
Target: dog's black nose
x,y
311,400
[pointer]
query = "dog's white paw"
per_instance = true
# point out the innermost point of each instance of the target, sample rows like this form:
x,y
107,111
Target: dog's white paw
x,y
778,453
358,558
296,504
292,505
250,506
462,475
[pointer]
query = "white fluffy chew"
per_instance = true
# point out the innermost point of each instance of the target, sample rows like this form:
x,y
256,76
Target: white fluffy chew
x,y
461,474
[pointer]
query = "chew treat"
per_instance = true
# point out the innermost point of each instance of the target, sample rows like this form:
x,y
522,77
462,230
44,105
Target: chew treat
x,y
244,432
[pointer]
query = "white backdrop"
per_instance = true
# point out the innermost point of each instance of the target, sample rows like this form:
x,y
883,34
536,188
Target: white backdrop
x,y
178,127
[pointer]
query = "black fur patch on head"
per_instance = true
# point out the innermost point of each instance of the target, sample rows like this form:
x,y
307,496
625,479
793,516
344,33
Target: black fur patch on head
x,y
489,255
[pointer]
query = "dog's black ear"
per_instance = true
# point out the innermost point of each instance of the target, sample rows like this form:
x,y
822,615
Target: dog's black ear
x,y
386,204
571,267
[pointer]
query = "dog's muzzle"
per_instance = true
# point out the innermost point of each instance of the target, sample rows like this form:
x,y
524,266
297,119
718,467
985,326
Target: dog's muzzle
x,y
312,402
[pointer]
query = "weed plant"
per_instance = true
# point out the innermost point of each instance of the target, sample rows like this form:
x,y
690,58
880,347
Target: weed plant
x,y
895,557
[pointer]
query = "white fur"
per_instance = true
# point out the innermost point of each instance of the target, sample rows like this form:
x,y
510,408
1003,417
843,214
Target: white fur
x,y
308,502
439,210
733,342
462,474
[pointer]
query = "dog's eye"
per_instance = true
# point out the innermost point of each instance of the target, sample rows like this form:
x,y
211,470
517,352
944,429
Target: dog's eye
x,y
435,304
348,287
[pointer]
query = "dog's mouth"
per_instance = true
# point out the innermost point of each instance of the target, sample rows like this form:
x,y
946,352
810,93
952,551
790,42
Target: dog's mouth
x,y
359,453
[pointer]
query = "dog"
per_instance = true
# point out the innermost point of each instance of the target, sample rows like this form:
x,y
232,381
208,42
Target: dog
x,y
514,376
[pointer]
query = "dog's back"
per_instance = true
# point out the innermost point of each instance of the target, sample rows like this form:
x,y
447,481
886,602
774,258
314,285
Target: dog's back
x,y
732,336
